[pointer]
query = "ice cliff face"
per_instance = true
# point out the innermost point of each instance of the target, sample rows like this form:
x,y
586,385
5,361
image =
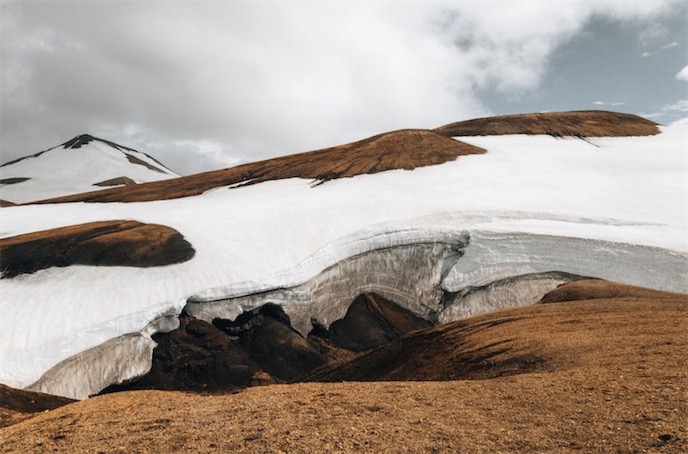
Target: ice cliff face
x,y
446,241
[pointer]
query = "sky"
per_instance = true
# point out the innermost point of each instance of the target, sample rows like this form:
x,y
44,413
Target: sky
x,y
210,84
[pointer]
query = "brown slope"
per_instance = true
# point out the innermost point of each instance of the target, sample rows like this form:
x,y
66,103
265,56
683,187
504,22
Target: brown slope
x,y
372,321
106,243
617,385
559,336
406,149
590,289
584,123
119,181
17,404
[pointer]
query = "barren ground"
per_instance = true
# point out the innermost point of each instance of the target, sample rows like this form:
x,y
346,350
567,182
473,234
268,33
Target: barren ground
x,y
610,376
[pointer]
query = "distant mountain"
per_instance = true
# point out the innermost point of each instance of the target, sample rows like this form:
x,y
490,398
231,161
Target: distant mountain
x,y
82,164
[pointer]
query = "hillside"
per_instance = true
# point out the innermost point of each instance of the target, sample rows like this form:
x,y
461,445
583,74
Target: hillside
x,y
82,164
444,229
405,149
591,375
584,123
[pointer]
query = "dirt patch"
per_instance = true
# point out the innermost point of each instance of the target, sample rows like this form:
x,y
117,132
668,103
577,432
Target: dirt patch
x,y
108,243
406,149
134,160
119,181
584,123
17,404
598,289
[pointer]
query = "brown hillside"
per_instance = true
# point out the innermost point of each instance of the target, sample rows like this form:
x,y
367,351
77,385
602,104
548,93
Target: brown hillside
x,y
599,289
610,376
107,243
17,404
494,345
406,149
584,123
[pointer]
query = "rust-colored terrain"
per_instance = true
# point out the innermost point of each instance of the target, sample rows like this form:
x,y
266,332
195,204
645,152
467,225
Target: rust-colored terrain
x,y
17,404
106,243
405,149
584,123
603,373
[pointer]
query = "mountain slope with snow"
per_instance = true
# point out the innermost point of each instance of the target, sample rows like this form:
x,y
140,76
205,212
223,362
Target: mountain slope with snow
x,y
82,164
443,240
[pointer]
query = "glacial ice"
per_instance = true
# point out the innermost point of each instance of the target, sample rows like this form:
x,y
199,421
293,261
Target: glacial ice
x,y
614,208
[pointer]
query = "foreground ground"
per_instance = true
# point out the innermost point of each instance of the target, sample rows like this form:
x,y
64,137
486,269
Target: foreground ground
x,y
595,375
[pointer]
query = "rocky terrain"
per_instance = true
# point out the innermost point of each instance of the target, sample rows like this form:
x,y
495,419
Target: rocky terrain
x,y
602,369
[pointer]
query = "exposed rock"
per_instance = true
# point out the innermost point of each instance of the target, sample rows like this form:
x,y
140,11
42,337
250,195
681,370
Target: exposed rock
x,y
107,243
584,123
5,203
267,336
372,321
119,181
14,180
134,160
196,357
538,338
405,149
409,275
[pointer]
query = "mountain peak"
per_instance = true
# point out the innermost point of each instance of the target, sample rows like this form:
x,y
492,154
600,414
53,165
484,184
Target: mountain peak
x,y
79,140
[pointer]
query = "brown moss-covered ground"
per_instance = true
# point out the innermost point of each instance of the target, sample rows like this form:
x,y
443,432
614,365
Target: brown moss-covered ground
x,y
584,123
405,149
17,404
610,376
106,243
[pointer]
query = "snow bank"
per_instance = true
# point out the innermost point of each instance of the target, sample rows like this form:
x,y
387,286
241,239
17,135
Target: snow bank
x,y
623,194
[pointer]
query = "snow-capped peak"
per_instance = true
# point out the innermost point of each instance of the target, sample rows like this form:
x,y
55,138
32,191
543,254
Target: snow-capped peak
x,y
82,164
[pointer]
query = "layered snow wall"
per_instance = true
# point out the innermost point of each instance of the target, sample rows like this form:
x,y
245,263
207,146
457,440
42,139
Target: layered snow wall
x,y
447,241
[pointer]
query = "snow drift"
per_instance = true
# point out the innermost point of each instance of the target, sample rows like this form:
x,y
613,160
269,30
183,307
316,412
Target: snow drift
x,y
446,240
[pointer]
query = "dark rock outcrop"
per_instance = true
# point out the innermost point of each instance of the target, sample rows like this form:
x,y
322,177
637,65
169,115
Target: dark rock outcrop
x,y
196,357
14,180
107,243
370,322
266,335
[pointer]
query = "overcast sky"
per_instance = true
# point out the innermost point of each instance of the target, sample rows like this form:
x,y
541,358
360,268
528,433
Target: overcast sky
x,y
206,85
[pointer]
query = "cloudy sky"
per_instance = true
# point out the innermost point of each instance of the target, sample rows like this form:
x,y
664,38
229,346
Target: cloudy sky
x,y
204,85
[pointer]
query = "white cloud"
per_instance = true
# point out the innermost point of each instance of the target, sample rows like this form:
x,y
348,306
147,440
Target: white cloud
x,y
609,103
661,48
683,74
262,79
679,106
